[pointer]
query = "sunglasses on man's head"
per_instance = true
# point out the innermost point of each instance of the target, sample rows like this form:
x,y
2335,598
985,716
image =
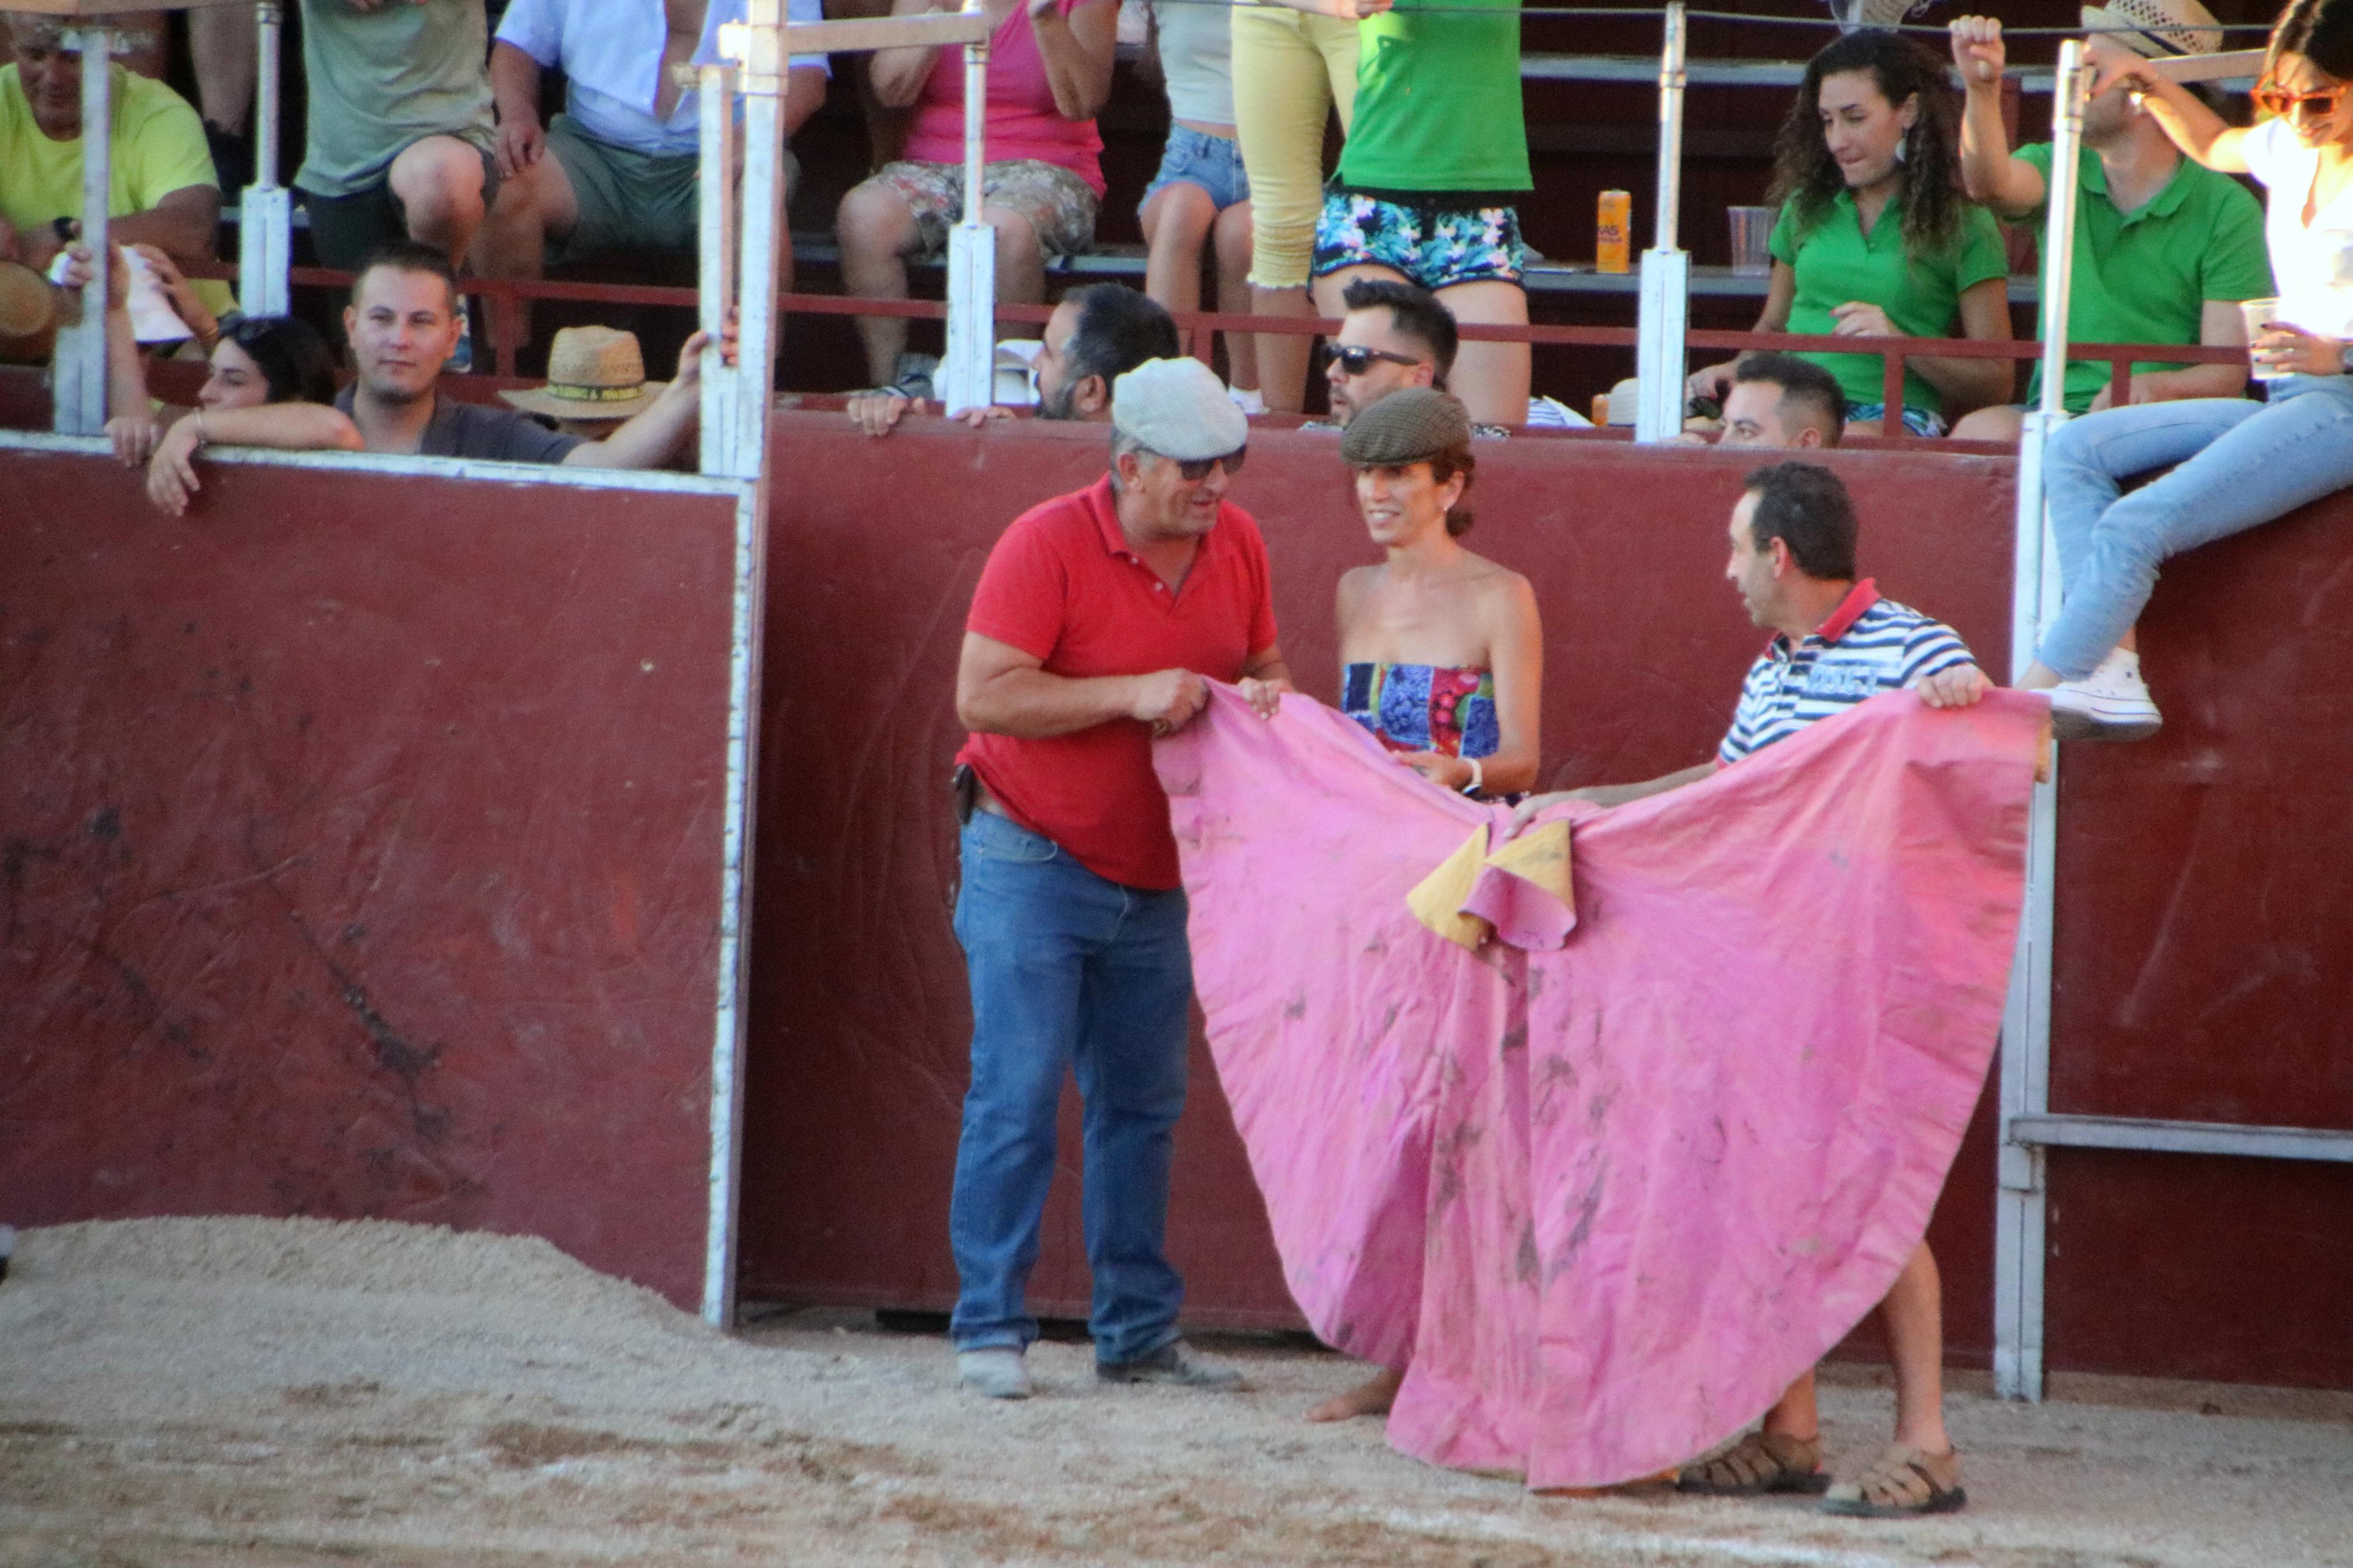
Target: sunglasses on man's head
x,y
1355,361
1196,470
2273,99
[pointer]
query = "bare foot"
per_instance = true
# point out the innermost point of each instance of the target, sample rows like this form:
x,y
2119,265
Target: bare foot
x,y
1371,1397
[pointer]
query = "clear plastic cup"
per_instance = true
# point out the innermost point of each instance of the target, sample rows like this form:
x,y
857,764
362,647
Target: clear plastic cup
x,y
2260,315
1751,227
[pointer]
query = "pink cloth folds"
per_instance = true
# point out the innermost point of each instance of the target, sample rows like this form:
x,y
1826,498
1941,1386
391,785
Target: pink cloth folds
x,y
1607,1201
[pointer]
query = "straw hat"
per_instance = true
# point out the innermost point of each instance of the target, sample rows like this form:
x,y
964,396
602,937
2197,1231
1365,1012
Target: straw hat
x,y
2157,26
593,373
28,314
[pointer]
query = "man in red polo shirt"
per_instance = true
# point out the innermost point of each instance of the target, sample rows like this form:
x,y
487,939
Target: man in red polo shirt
x,y
1098,621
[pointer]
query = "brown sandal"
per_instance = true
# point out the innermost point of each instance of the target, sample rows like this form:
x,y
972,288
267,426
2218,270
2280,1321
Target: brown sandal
x,y
1902,1482
1758,1463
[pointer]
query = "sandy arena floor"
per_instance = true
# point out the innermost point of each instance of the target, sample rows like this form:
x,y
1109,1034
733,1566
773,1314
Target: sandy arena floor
x,y
204,1392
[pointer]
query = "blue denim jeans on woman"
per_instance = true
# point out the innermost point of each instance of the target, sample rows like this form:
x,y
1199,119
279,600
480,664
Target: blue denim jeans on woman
x,y
1069,971
2242,463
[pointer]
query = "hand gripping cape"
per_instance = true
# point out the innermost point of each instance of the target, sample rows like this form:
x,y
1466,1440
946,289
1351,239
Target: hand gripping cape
x,y
1608,1180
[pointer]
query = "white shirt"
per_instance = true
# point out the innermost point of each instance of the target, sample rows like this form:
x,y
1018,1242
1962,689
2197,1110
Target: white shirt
x,y
610,52
2314,265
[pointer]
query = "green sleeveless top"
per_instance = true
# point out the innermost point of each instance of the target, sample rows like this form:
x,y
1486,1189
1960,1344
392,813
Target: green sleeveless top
x,y
1437,99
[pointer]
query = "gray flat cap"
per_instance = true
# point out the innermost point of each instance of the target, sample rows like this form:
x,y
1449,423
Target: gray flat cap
x,y
1178,409
1405,428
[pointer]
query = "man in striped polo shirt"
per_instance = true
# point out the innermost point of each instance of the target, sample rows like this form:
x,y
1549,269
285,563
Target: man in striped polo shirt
x,y
1836,643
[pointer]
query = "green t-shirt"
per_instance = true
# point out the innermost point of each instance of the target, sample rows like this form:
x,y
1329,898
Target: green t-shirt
x,y
2144,277
381,79
1437,99
1835,262
158,147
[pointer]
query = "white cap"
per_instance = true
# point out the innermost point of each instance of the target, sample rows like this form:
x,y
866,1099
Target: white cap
x,y
1178,409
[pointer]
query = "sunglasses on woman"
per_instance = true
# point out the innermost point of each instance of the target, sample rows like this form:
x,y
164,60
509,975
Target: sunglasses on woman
x,y
1355,361
2274,99
1196,470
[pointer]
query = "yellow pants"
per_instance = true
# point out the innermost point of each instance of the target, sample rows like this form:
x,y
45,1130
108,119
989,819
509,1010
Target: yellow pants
x,y
1291,70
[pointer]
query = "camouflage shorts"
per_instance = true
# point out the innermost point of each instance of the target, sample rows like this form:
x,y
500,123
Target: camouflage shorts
x,y
1058,205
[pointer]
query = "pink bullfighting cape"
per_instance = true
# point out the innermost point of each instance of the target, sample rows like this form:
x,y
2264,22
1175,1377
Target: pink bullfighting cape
x,y
1607,1181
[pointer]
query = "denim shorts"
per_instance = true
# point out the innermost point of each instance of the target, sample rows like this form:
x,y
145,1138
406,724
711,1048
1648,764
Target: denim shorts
x,y
1198,158
1433,245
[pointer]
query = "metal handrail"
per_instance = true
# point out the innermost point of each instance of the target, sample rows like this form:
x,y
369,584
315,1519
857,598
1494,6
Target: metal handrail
x,y
2119,357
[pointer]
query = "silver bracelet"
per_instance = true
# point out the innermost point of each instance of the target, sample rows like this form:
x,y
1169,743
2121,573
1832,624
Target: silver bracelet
x,y
1478,776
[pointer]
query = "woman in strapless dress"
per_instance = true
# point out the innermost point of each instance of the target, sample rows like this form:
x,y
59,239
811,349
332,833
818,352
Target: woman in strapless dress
x,y
1441,652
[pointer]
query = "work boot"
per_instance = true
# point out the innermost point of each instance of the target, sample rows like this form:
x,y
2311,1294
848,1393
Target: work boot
x,y
2111,703
1175,1363
994,1371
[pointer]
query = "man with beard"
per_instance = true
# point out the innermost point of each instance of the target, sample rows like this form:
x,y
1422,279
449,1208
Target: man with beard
x,y
1096,335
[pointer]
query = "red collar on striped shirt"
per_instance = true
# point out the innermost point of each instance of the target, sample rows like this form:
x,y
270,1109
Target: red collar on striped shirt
x,y
1840,621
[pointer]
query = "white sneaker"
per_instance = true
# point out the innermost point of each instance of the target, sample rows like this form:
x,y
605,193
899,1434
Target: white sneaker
x,y
1249,400
2111,703
995,1372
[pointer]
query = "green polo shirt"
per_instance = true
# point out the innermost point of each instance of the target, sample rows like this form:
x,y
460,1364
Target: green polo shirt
x,y
1835,262
2144,277
1437,99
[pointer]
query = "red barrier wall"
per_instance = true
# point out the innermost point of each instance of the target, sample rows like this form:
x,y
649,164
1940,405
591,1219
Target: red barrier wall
x,y
860,1015
361,855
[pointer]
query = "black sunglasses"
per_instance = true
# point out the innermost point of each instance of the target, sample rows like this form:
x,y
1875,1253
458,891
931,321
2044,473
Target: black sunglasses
x,y
1196,470
1355,361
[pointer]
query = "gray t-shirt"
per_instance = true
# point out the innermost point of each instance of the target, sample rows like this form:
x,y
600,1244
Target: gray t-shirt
x,y
381,79
477,430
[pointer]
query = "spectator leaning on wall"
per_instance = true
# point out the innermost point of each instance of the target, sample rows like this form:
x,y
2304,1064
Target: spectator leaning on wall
x,y
402,324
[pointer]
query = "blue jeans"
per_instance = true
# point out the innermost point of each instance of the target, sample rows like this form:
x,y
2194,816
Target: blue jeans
x,y
2242,463
1069,971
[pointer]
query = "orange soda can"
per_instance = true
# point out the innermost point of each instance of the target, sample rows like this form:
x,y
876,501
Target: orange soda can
x,y
1613,232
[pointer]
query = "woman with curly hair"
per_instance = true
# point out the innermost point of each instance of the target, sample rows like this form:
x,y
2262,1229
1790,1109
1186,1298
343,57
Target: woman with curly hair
x,y
1876,240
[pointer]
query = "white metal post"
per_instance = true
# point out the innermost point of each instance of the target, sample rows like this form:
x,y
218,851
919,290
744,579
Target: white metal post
x,y
2019,1239
716,295
968,372
80,397
1666,309
265,228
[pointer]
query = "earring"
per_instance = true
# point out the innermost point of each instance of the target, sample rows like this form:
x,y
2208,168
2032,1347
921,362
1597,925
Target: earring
x,y
1903,146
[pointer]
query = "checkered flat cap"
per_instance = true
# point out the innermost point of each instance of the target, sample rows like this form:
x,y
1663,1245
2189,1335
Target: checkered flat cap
x,y
1405,428
1178,409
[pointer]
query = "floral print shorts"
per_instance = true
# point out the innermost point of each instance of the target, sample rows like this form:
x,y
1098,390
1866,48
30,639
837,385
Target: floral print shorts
x,y
1058,205
1434,245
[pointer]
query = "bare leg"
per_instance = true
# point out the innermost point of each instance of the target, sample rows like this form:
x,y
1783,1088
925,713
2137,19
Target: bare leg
x,y
1371,1397
1796,1414
223,43
877,230
1492,379
2000,423
1176,223
1020,265
1232,238
440,183
1283,356
1913,1317
536,204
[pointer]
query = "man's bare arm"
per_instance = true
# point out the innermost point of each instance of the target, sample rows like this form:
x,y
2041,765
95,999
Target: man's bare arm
x,y
1002,691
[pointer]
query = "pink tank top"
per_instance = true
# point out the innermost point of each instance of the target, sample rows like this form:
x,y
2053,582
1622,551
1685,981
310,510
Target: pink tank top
x,y
1022,120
